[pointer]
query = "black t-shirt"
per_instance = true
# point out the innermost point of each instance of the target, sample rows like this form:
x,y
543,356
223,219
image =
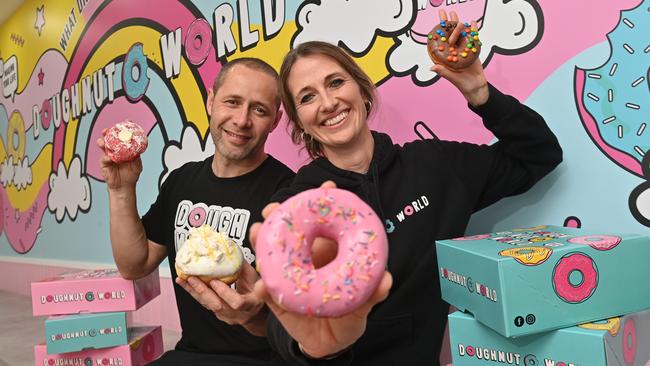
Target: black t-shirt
x,y
192,196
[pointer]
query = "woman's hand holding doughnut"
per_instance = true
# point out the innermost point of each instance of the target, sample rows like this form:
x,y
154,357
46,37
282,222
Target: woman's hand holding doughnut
x,y
320,337
470,80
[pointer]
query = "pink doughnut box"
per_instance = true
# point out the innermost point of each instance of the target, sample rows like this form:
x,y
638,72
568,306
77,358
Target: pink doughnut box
x,y
145,345
620,341
92,291
533,280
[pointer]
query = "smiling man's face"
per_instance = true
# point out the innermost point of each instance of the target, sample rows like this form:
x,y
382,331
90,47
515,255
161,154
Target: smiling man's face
x,y
243,112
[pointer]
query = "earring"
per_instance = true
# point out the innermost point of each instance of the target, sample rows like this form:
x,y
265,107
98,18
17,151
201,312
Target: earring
x,y
304,136
368,105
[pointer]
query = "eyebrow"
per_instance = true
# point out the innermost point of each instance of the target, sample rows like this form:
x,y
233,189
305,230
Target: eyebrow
x,y
231,96
239,98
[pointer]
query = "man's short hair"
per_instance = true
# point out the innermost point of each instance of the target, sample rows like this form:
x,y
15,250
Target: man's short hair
x,y
250,62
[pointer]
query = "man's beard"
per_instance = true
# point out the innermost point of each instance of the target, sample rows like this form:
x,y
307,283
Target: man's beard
x,y
233,153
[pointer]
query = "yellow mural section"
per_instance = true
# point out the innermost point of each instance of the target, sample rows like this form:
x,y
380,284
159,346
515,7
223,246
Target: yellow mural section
x,y
273,51
22,24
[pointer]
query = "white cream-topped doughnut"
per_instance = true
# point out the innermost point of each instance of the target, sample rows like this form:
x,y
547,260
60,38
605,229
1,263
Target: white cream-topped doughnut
x,y
209,255
284,256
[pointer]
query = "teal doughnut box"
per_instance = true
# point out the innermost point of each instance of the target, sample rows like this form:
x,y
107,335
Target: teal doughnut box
x,y
72,333
614,342
533,280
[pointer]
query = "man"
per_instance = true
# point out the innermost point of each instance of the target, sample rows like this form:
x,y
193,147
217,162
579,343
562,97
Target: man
x,y
227,191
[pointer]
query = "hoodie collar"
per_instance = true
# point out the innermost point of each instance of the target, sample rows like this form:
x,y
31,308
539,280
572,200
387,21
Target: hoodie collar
x,y
364,185
382,157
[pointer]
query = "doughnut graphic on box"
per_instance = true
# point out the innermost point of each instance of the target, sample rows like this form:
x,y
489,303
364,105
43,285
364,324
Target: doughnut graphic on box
x,y
584,268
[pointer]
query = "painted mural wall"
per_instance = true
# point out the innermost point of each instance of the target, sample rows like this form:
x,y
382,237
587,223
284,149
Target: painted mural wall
x,y
71,68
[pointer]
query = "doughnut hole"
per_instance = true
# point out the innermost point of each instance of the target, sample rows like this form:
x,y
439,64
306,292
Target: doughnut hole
x,y
576,278
323,251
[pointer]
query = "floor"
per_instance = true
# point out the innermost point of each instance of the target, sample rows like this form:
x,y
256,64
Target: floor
x,y
20,331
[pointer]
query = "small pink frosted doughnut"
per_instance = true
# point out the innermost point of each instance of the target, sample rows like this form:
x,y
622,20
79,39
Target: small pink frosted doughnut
x,y
125,141
599,242
567,291
284,252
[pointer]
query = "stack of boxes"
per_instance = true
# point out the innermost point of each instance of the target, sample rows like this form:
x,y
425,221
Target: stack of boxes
x,y
88,320
524,293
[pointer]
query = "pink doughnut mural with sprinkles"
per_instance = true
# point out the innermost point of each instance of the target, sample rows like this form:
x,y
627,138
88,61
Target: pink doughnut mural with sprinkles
x,y
284,256
614,99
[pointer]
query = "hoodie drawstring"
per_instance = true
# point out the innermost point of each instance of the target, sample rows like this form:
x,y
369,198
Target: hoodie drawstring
x,y
374,170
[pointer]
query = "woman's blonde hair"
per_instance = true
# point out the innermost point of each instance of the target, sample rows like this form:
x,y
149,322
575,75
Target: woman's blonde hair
x,y
313,147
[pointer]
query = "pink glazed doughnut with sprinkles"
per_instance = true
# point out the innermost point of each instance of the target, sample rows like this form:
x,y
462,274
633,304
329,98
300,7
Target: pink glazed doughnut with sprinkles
x,y
284,253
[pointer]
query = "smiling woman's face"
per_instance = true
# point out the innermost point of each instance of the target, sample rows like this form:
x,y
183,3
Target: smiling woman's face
x,y
328,101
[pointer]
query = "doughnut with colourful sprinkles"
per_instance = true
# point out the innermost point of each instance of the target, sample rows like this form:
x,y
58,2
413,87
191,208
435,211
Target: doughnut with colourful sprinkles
x,y
284,255
455,56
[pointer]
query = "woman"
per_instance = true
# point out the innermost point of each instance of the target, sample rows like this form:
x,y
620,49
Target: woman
x,y
328,98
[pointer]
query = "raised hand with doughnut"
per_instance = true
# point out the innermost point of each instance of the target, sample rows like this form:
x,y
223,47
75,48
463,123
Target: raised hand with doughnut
x,y
470,79
118,175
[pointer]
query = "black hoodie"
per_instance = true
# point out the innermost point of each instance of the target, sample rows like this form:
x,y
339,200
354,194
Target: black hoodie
x,y
425,191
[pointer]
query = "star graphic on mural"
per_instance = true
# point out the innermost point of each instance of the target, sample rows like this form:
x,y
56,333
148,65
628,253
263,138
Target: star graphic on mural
x,y
40,19
41,76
